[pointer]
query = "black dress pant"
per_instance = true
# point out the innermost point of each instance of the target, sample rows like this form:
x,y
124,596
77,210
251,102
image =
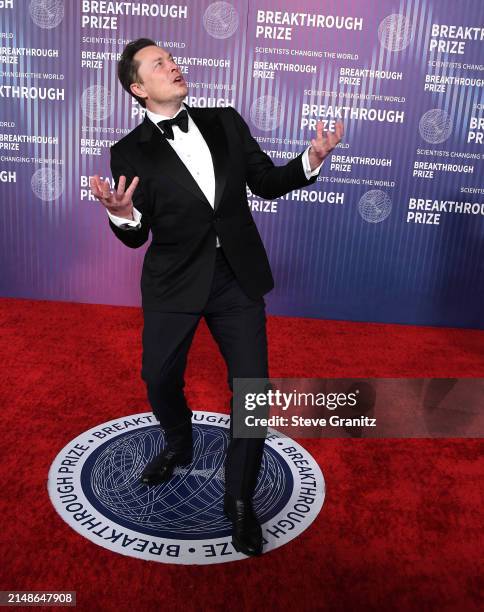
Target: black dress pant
x,y
238,325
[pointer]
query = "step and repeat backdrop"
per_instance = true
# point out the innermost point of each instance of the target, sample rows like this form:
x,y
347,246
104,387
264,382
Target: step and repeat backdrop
x,y
392,231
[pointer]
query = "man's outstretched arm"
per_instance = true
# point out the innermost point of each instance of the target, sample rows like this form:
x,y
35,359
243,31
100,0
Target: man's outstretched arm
x,y
124,206
270,181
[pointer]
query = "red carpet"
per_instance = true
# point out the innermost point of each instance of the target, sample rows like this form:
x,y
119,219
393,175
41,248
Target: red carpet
x,y
401,525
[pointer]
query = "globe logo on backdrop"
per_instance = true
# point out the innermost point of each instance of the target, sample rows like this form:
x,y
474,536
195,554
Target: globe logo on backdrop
x,y
220,20
47,14
47,183
266,113
97,102
375,206
94,484
435,126
395,32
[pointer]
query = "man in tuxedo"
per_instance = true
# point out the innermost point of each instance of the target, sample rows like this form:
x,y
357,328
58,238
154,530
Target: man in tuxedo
x,y
182,175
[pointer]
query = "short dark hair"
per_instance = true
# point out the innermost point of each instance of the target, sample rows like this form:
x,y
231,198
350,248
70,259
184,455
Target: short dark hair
x,y
128,66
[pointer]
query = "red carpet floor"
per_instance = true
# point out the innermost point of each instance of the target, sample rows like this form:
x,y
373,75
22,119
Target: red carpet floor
x,y
401,526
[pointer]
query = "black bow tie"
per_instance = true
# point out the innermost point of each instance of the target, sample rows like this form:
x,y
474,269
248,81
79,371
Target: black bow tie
x,y
181,120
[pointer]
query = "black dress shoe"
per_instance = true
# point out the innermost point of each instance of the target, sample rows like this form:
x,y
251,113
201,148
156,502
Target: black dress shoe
x,y
246,532
160,469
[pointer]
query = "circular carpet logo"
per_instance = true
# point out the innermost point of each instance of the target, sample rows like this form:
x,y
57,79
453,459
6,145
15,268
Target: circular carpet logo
x,y
94,484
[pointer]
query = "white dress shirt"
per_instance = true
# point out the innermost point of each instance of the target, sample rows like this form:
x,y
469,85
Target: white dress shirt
x,y
192,149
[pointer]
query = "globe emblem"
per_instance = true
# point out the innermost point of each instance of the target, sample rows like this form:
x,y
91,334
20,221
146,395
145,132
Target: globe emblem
x,y
47,13
266,113
190,503
435,126
220,20
47,184
395,32
180,520
374,206
97,102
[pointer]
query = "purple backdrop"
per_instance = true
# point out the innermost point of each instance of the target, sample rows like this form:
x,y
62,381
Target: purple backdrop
x,y
393,229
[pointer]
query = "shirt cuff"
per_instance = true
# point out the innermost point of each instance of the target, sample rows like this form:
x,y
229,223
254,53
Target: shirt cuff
x,y
120,221
307,168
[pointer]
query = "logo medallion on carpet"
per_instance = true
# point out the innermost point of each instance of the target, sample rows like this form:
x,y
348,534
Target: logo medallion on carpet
x,y
94,484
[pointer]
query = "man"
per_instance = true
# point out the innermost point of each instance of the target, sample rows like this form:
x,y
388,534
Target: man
x,y
182,174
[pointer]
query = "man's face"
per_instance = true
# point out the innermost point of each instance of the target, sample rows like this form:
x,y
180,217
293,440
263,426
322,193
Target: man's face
x,y
161,80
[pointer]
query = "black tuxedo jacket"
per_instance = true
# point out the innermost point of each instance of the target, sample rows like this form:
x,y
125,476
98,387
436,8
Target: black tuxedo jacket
x,y
178,264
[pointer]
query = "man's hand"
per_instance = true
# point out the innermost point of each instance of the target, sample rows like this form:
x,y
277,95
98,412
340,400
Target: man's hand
x,y
324,143
119,202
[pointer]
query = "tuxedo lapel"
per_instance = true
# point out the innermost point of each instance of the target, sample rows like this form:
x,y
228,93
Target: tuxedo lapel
x,y
155,145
